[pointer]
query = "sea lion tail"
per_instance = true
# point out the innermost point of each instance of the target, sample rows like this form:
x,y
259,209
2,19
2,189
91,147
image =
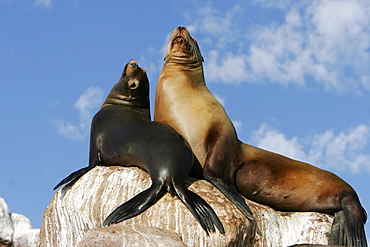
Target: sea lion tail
x,y
136,205
200,209
348,226
73,177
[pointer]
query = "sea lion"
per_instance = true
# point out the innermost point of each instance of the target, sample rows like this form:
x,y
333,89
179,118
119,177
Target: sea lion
x,y
184,102
290,185
122,134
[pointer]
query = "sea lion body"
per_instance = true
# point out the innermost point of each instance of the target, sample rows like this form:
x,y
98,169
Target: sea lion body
x,y
133,140
289,185
184,102
122,134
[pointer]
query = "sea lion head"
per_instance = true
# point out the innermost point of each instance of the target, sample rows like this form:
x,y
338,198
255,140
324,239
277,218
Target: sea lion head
x,y
132,89
183,45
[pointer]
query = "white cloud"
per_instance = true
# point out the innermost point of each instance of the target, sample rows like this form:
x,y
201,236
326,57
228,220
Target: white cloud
x,y
272,140
88,101
231,69
327,41
277,3
219,24
342,151
43,3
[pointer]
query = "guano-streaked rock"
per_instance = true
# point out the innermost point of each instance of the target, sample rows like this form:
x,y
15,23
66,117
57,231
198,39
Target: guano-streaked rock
x,y
76,218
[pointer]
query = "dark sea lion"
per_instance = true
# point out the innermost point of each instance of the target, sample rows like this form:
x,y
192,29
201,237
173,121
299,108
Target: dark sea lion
x,y
122,134
184,102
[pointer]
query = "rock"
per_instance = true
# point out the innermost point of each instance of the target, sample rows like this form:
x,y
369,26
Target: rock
x,y
6,226
24,234
116,236
16,229
284,229
76,218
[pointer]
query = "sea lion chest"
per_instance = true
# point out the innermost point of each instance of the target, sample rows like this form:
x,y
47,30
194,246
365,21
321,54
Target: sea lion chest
x,y
184,102
125,136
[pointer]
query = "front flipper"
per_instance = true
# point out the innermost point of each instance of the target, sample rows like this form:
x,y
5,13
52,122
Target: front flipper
x,y
232,195
73,177
136,205
200,209
141,202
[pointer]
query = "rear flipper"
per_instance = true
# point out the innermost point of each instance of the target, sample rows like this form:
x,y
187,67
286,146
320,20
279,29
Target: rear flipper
x,y
136,205
338,235
355,228
348,226
232,195
200,209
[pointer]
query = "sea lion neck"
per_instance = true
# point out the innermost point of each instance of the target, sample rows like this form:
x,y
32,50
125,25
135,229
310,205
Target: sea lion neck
x,y
130,101
185,61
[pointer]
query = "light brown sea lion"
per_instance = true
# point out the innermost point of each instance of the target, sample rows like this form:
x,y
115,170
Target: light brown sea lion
x,y
184,102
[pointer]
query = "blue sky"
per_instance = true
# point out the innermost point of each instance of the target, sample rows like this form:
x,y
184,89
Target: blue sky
x,y
293,76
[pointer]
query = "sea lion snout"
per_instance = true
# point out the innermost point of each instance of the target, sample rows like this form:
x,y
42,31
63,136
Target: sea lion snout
x,y
180,31
134,64
131,67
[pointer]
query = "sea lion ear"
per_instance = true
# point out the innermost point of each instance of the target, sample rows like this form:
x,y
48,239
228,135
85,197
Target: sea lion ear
x,y
202,59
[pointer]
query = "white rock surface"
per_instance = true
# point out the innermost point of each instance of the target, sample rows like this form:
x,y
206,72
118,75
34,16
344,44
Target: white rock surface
x,y
16,228
130,236
76,219
24,234
6,227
